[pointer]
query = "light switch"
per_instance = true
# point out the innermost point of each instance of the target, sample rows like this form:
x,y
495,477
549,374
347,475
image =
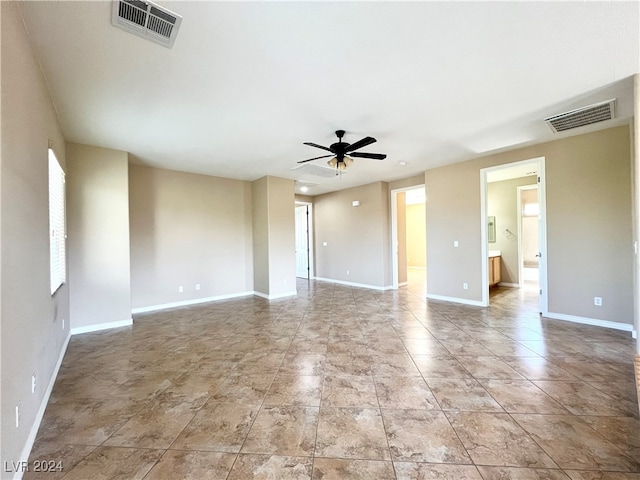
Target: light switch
x,y
455,243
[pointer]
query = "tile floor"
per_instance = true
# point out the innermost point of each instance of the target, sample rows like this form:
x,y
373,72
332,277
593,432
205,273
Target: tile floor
x,y
346,383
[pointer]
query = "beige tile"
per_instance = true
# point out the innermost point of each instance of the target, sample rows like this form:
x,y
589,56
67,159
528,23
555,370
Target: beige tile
x,y
349,391
587,475
54,460
574,445
271,467
462,394
340,469
441,366
328,346
435,471
220,427
303,364
580,398
521,396
283,430
488,367
405,392
496,439
422,436
157,425
115,463
351,433
244,388
288,389
511,473
388,365
192,465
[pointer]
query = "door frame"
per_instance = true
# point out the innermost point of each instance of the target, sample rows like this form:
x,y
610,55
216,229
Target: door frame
x,y
542,233
394,231
310,250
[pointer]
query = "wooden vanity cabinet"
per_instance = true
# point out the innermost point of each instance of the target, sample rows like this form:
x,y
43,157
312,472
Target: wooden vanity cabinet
x,y
494,271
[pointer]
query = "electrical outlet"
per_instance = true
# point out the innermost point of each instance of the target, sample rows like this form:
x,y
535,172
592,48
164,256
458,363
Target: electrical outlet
x,y
597,301
180,289
347,272
465,286
63,323
33,383
17,415
197,286
455,243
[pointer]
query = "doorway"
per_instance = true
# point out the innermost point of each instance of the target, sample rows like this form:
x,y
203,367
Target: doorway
x,y
516,236
528,228
408,234
304,245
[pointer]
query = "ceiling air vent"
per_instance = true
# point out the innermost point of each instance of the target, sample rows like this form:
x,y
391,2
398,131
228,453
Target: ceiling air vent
x,y
580,117
147,20
316,170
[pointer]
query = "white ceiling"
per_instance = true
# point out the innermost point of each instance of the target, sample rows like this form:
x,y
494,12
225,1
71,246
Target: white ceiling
x,y
248,82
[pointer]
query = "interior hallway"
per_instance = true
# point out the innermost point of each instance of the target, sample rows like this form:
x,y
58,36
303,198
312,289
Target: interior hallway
x,y
342,382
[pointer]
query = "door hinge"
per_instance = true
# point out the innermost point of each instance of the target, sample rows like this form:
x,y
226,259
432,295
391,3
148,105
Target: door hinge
x,y
540,291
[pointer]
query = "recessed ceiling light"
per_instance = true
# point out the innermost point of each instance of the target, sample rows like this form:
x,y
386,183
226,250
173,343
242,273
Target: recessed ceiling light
x,y
402,163
304,189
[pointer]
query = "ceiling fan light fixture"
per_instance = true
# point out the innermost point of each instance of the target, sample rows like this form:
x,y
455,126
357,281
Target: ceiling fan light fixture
x,y
333,162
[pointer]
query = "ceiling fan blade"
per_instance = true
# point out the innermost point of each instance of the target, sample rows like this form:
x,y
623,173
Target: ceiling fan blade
x,y
318,146
374,156
360,143
316,158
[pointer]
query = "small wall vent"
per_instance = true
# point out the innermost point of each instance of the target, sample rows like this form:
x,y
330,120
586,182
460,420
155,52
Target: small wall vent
x,y
146,19
580,117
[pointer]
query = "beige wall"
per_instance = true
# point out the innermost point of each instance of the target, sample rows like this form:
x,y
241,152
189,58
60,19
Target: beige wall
x,y
98,236
502,202
357,237
32,337
416,236
588,196
274,237
188,229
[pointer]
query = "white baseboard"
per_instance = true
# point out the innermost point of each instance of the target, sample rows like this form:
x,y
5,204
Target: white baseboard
x,y
185,303
26,451
274,297
101,326
510,285
403,284
353,284
464,301
591,321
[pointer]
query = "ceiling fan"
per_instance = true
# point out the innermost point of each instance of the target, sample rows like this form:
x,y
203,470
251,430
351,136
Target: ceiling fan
x,y
342,152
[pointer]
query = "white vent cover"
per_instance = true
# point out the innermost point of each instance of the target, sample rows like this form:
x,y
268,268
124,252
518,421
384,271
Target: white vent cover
x,y
580,117
146,19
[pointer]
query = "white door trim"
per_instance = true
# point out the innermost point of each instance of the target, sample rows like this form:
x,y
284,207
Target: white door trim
x,y
394,231
310,242
544,301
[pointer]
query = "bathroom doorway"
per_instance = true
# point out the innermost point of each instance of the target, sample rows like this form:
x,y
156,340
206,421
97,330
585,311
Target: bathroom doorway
x,y
512,237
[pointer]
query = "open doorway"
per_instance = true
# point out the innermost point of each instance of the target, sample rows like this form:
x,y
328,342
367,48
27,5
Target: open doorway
x,y
408,234
528,233
514,230
304,243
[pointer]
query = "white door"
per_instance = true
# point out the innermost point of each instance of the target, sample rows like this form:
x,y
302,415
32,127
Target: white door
x,y
302,241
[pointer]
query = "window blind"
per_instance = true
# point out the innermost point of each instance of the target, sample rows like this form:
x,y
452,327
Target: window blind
x,y
57,234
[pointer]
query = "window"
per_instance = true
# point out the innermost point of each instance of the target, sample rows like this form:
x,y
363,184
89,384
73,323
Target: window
x,y
57,242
